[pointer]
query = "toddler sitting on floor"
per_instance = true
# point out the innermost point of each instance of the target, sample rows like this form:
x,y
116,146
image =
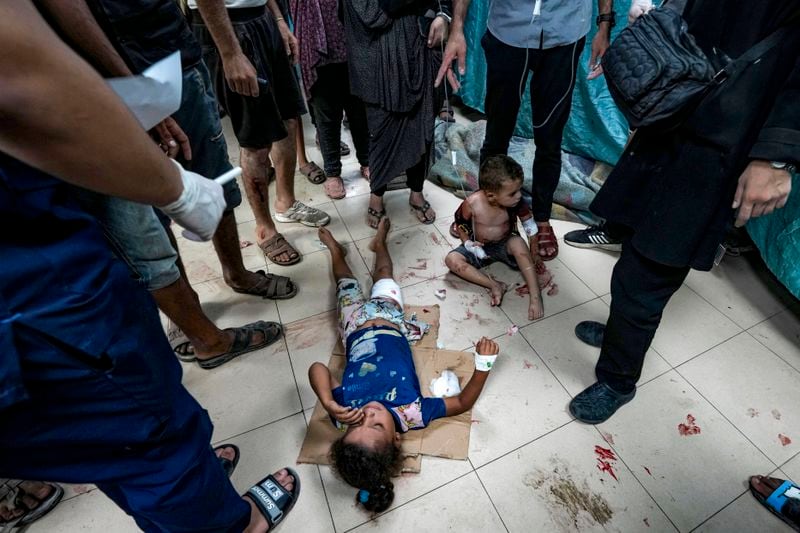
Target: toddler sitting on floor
x,y
379,397
486,223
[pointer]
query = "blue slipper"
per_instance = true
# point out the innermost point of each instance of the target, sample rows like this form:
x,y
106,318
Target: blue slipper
x,y
598,403
590,332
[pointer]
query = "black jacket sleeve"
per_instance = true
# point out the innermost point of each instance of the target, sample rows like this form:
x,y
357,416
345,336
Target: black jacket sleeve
x,y
779,139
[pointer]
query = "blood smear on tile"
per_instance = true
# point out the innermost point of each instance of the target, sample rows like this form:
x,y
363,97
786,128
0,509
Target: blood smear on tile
x,y
785,441
648,471
689,428
752,413
245,244
604,459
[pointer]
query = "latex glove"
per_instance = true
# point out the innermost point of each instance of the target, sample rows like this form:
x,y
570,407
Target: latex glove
x,y
476,249
638,8
199,207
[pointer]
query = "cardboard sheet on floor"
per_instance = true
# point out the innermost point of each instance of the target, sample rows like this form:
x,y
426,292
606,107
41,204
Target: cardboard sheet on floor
x,y
445,437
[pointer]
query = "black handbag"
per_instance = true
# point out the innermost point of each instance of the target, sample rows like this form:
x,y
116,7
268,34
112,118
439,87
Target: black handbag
x,y
655,71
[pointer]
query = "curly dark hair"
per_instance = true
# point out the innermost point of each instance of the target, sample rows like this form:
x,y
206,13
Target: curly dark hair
x,y
497,170
370,470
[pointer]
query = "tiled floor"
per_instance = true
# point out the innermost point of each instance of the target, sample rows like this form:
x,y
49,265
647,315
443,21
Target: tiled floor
x,y
727,353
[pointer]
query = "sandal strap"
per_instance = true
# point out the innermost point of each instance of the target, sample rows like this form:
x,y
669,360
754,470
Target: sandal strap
x,y
276,246
271,498
778,497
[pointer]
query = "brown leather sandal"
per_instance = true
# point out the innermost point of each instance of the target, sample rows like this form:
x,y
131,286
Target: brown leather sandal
x,y
277,245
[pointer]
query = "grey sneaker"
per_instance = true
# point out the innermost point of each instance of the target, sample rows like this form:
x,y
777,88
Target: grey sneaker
x,y
306,215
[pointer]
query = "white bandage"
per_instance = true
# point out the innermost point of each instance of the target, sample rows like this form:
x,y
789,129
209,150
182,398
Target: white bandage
x,y
530,227
475,249
199,207
638,8
484,363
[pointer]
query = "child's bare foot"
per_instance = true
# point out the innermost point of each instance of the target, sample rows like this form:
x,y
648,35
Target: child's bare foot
x,y
380,237
498,290
536,307
327,238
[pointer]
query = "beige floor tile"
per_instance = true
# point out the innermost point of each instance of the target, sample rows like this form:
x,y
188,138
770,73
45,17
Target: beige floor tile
x,y
256,389
435,473
92,512
781,334
417,253
745,514
353,212
570,292
466,312
316,288
555,484
593,266
459,506
690,476
571,360
268,449
756,390
792,469
690,326
739,289
521,401
309,340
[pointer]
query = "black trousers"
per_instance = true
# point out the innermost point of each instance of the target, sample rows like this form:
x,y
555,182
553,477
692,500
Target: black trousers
x,y
551,98
330,99
640,289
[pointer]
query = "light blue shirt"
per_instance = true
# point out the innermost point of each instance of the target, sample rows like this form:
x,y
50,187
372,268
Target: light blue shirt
x,y
558,22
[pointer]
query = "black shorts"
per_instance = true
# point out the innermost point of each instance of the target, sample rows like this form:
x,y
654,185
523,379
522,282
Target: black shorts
x,y
257,122
495,251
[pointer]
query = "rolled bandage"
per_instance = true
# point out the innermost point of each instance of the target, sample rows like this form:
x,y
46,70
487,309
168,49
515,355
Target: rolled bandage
x,y
475,249
530,227
484,363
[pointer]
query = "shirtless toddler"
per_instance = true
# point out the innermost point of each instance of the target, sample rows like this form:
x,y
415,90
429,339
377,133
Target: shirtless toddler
x,y
486,223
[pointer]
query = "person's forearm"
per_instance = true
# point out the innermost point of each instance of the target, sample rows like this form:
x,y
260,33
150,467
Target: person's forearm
x,y
59,116
78,25
320,378
603,7
215,16
273,7
460,8
469,394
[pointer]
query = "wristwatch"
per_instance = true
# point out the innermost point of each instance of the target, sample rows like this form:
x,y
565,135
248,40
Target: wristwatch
x,y
780,165
611,18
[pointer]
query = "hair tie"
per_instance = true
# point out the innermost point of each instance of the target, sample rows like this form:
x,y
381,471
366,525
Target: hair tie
x,y
363,496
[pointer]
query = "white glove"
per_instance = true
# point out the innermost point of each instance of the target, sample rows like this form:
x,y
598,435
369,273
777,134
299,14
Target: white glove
x,y
638,8
475,249
199,207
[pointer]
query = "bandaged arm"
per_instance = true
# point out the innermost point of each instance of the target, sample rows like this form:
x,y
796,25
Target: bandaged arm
x,y
469,394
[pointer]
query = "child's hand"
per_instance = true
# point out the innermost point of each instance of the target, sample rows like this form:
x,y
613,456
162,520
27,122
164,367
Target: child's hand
x,y
345,415
487,347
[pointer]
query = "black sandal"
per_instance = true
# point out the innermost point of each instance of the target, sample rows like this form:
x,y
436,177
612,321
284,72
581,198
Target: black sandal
x,y
374,217
228,465
272,499
242,339
424,210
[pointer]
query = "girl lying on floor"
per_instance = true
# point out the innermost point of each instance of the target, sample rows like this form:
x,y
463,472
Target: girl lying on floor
x,y
380,397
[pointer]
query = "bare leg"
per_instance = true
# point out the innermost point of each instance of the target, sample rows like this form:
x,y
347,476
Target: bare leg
x,y
285,158
517,247
226,244
339,264
300,144
382,268
459,266
255,167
